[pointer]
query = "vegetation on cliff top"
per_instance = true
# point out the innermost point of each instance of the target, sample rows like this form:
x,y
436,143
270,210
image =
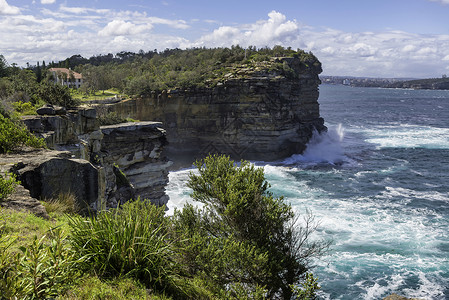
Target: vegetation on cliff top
x,y
14,135
241,245
144,72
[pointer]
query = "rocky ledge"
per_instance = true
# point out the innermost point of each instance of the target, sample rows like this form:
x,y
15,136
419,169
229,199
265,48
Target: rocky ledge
x,y
101,166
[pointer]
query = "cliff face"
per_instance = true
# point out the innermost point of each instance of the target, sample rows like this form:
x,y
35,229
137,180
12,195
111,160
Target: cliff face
x,y
136,149
123,161
253,113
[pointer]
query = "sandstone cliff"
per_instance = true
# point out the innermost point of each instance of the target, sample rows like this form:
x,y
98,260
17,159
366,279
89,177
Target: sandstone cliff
x,y
101,166
258,112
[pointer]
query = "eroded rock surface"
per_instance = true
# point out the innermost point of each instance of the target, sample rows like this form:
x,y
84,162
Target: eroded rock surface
x,y
44,174
136,149
256,114
98,156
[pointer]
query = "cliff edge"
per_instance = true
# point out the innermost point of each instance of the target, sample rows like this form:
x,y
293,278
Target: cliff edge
x,y
263,111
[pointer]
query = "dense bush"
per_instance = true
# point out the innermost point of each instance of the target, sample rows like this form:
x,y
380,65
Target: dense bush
x,y
243,244
14,135
56,94
243,234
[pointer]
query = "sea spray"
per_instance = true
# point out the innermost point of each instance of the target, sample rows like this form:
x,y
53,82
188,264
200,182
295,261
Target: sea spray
x,y
325,147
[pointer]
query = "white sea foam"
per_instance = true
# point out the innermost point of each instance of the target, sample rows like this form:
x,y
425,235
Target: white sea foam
x,y
322,148
177,190
408,136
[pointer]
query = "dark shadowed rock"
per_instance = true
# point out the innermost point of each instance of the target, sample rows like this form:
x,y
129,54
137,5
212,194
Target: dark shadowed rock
x,y
21,200
46,174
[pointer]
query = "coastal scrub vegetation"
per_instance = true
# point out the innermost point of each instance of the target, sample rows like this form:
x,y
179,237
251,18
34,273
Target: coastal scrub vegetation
x,y
142,73
14,134
244,243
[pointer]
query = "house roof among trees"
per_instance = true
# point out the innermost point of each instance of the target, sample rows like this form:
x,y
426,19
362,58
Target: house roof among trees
x,y
67,71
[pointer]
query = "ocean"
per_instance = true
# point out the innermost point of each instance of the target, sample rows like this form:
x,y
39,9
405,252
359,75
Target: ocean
x,y
378,183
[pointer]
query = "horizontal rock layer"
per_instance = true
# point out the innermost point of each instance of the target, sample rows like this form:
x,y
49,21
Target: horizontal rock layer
x,y
132,148
261,116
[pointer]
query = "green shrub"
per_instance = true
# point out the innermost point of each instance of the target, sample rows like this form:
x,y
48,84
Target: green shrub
x,y
128,241
93,288
40,271
8,267
14,135
308,288
254,233
56,94
8,183
24,108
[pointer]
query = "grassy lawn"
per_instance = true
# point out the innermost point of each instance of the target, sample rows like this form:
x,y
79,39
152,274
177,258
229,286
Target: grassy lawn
x,y
98,95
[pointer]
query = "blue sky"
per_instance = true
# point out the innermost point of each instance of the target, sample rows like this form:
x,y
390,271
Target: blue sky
x,y
383,38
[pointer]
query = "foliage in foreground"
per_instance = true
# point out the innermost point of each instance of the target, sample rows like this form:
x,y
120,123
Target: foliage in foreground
x,y
40,271
130,241
243,235
241,245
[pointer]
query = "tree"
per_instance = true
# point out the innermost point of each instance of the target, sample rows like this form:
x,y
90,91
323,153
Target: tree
x,y
3,67
38,73
56,94
242,218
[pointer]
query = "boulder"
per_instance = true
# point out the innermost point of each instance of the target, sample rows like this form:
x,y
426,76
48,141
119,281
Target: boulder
x,y
47,109
46,174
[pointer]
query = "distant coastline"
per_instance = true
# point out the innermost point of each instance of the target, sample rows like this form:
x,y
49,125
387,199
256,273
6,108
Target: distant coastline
x,y
405,83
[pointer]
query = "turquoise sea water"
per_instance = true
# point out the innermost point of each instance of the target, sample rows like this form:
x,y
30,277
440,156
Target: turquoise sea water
x,y
378,182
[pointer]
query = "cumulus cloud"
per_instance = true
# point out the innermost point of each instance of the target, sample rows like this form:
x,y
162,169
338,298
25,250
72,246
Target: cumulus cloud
x,y
275,30
120,27
48,1
6,9
179,24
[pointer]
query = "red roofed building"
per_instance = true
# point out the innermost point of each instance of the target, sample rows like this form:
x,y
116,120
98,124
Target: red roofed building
x,y
66,77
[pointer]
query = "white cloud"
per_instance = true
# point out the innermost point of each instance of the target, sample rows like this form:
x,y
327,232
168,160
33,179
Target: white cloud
x,y
56,34
441,1
426,51
179,24
408,48
74,10
120,27
48,1
6,9
275,30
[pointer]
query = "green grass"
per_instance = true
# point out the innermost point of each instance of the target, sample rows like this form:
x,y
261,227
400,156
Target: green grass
x,y
98,95
91,287
23,226
30,247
